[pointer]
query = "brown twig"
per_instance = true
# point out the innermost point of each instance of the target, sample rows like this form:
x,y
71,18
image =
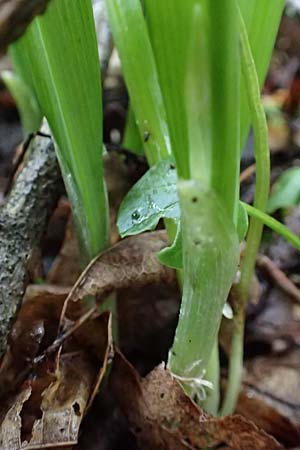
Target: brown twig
x,y
22,222
15,16
247,173
279,277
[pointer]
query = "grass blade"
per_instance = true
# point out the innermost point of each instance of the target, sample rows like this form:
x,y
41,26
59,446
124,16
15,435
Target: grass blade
x,y
262,19
58,58
139,68
168,23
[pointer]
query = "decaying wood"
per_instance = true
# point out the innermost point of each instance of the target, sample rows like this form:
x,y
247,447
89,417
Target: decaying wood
x,y
22,222
15,16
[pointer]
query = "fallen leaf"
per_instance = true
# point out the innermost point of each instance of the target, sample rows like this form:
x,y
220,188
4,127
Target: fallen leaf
x,y
263,411
162,416
131,262
47,410
66,267
276,380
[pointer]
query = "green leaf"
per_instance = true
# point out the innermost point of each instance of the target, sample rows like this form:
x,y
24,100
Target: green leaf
x,y
152,198
286,190
138,63
262,18
58,58
274,225
132,139
169,23
28,107
243,222
210,260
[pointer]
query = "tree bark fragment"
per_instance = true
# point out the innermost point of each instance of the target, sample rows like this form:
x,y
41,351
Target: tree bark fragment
x,y
15,16
23,219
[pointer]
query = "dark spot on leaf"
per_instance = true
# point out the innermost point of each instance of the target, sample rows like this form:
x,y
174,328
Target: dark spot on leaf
x,y
194,199
172,166
146,136
197,242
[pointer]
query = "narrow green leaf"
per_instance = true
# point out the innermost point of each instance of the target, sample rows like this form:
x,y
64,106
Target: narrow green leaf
x,y
274,225
28,107
58,58
169,24
286,191
132,138
243,222
139,68
225,109
262,18
198,99
153,197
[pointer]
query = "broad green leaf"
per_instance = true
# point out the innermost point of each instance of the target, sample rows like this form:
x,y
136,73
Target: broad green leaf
x,y
58,58
210,260
225,108
286,191
198,99
212,99
28,107
138,63
262,18
152,198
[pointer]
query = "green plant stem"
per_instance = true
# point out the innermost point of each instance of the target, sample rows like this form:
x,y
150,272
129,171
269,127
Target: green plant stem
x,y
274,224
235,364
262,157
211,403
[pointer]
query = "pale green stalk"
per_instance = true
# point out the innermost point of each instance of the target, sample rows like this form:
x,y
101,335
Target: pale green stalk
x,y
262,157
209,200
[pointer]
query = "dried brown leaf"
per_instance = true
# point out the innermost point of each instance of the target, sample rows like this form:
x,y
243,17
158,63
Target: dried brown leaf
x,y
49,414
264,412
163,417
131,262
35,328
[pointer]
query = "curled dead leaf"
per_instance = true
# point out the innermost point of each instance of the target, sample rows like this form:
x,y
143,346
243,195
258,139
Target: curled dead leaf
x,y
131,262
162,416
47,410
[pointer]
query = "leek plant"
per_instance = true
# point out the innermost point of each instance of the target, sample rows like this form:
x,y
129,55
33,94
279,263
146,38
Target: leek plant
x,y
57,67
194,73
